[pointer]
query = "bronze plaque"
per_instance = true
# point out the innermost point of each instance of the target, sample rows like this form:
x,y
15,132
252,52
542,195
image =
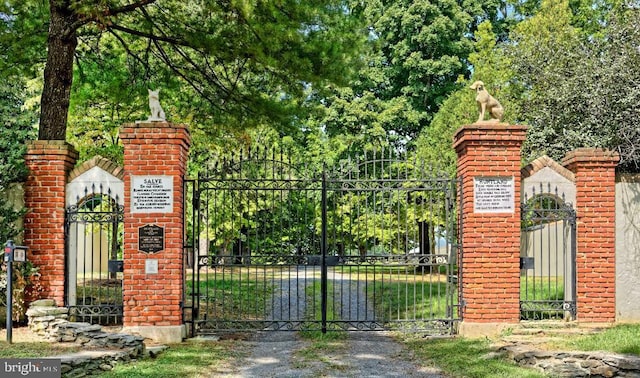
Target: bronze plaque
x,y
151,238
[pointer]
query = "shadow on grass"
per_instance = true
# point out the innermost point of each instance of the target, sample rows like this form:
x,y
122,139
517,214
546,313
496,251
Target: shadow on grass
x,y
460,357
189,359
621,338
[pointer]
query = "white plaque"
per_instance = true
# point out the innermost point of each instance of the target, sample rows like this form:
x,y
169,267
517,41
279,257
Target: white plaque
x,y
19,254
493,195
151,194
151,266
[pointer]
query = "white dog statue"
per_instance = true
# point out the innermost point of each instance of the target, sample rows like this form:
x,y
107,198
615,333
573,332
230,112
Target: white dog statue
x,y
157,114
486,103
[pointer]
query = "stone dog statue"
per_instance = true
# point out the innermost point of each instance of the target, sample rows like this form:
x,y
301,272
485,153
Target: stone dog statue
x,y
486,103
157,113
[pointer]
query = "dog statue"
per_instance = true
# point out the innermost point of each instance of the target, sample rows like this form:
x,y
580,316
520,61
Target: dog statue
x,y
157,114
486,103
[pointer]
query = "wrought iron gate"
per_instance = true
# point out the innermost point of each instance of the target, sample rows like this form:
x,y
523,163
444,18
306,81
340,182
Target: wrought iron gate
x,y
275,245
548,256
93,230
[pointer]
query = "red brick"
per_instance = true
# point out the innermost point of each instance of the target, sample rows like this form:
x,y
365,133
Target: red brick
x,y
154,299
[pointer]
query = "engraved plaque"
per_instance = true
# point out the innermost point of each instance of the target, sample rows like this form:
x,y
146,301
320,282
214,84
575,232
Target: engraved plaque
x,y
150,238
151,194
493,195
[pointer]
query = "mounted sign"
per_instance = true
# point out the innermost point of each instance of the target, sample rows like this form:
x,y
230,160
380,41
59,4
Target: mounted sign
x,y
151,266
151,194
150,238
493,195
15,253
19,253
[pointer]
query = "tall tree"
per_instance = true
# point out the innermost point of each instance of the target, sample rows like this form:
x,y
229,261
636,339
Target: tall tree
x,y
584,97
416,51
241,57
491,66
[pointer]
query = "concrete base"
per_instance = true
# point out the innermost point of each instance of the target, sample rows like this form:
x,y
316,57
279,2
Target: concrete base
x,y
159,334
478,330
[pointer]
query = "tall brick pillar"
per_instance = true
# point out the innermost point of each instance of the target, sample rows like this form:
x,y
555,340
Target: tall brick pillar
x,y
155,160
595,172
49,163
489,165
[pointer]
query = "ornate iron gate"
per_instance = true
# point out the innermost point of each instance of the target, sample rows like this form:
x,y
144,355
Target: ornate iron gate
x,y
93,232
548,256
275,245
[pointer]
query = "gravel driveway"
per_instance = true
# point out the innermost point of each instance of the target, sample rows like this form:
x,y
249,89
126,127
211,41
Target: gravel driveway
x,y
360,354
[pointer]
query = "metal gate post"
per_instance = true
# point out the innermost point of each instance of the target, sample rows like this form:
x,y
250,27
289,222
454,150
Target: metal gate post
x,y
323,247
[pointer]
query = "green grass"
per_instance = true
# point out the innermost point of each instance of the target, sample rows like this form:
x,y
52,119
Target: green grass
x,y
536,289
314,312
621,338
234,295
190,359
35,349
542,288
459,357
398,300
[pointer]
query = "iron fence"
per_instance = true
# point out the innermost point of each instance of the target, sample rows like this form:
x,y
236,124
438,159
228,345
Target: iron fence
x,y
275,245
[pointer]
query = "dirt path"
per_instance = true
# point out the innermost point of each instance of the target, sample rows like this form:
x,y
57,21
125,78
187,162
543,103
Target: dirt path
x,y
359,354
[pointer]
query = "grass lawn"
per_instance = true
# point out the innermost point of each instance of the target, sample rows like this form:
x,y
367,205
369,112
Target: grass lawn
x,y
34,349
623,338
460,357
235,293
189,359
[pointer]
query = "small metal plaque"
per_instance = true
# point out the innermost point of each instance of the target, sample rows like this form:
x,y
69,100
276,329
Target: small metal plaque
x,y
526,263
151,266
116,266
151,238
20,254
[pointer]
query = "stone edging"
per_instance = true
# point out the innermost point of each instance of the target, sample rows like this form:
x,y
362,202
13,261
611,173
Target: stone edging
x,y
51,323
573,364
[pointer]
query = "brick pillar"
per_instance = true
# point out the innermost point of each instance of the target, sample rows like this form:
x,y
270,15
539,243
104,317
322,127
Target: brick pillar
x,y
49,163
489,165
153,275
595,172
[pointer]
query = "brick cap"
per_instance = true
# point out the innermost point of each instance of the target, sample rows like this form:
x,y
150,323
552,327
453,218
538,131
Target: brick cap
x,y
544,162
98,161
483,131
51,147
157,124
156,128
591,155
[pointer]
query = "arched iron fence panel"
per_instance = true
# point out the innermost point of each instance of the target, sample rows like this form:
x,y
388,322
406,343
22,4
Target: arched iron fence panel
x,y
278,245
94,238
548,256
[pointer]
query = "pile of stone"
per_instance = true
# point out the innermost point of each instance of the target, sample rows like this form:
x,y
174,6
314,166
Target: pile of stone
x,y
105,349
574,364
50,322
44,318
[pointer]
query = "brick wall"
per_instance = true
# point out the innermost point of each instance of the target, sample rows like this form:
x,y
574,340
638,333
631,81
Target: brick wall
x,y
154,149
594,171
491,241
49,163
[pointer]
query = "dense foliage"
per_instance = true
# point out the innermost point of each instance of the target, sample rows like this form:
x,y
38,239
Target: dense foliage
x,y
18,128
323,79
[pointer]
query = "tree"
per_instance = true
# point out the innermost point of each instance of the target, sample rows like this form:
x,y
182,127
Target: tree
x,y
491,66
17,129
415,52
243,58
586,96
